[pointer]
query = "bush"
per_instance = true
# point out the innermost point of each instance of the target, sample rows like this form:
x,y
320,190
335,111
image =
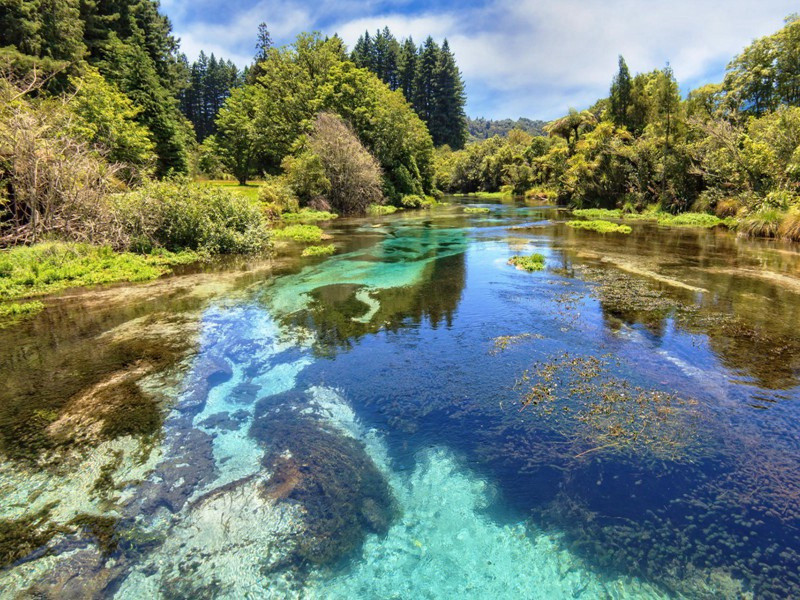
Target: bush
x,y
412,201
376,210
177,215
790,225
277,197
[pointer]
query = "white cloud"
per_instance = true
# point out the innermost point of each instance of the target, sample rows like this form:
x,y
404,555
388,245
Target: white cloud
x,y
530,58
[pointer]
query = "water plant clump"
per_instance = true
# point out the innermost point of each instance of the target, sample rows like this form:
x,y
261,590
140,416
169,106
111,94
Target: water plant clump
x,y
503,342
689,219
600,226
299,233
376,210
598,213
102,528
308,215
534,262
470,210
19,537
325,250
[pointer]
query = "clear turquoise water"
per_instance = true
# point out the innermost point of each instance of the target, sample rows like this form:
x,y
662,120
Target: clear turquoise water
x,y
354,427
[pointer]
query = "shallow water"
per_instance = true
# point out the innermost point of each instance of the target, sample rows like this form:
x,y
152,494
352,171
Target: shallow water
x,y
414,418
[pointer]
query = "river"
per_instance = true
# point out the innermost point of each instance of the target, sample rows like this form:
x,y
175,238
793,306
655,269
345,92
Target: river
x,y
414,418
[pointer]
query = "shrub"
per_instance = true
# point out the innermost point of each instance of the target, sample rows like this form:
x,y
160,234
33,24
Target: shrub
x,y
412,201
299,233
790,225
353,173
178,215
534,262
277,197
727,207
600,226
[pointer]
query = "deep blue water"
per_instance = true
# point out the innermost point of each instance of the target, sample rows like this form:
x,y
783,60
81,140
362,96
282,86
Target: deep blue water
x,y
413,417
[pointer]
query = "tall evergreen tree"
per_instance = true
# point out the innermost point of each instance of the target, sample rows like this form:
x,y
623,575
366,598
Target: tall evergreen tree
x,y
448,124
424,100
620,96
263,44
363,54
407,68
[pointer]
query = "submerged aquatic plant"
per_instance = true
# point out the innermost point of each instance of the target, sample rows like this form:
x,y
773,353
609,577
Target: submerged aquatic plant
x,y
600,226
600,412
502,342
308,215
534,262
476,210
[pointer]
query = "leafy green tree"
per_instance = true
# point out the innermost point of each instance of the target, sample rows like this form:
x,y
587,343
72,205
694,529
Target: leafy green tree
x,y
237,133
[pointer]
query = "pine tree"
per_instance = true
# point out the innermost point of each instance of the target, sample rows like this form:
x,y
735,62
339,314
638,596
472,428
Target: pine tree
x,y
424,88
407,68
363,54
448,124
620,96
263,45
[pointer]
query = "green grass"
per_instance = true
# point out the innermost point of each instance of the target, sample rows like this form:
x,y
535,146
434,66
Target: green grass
x,y
476,209
299,233
29,271
319,250
600,226
688,220
376,210
534,262
307,215
489,195
250,190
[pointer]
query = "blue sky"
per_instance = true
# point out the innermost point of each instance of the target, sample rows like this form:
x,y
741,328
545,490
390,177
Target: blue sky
x,y
531,58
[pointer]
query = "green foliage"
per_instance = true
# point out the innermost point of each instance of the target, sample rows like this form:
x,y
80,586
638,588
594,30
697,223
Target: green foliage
x,y
472,210
210,82
600,226
27,271
238,136
534,262
598,213
765,222
299,233
319,250
277,197
183,216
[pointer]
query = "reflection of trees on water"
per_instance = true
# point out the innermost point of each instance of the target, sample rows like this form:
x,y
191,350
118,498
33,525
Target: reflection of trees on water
x,y
340,314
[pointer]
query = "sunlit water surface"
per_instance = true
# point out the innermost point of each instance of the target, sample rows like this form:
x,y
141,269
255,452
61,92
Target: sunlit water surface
x,y
415,418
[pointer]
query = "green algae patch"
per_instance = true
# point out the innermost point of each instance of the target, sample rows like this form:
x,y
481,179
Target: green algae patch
x,y
600,226
534,262
326,250
689,219
299,233
474,210
28,271
307,215
14,312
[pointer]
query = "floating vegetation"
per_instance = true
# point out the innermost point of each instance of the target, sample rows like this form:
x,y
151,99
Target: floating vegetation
x,y
598,213
600,226
689,220
376,210
476,210
534,262
502,342
606,413
308,215
299,233
326,250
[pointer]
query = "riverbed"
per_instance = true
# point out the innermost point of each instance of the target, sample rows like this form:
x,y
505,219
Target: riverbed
x,y
413,417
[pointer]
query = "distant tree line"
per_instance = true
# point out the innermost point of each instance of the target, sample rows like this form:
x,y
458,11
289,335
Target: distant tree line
x,y
210,83
483,129
427,75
